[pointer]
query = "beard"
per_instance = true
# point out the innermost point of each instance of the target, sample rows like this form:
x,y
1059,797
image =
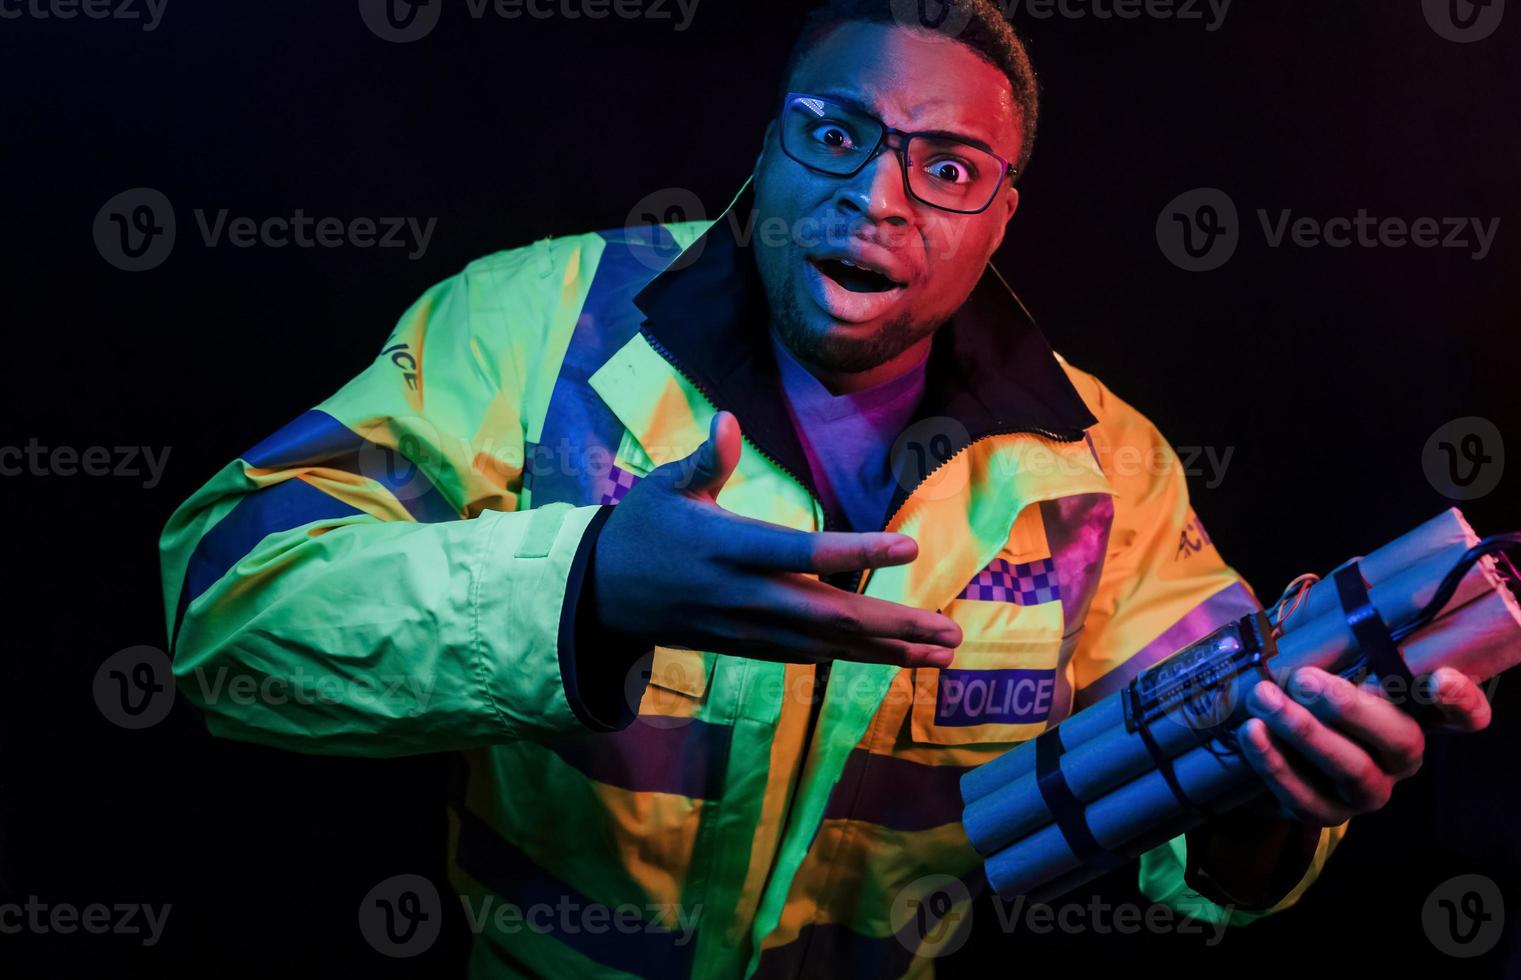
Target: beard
x,y
828,351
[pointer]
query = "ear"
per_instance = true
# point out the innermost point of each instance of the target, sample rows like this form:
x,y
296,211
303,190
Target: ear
x,y
765,146
1008,203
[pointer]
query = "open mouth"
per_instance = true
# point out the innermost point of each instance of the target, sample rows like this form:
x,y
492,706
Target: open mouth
x,y
855,278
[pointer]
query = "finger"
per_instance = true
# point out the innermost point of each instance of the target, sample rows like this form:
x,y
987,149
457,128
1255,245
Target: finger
x,y
786,644
1287,784
1462,703
836,615
784,549
708,468
1352,770
1395,739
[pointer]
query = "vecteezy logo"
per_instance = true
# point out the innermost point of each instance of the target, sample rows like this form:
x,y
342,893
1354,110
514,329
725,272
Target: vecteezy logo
x,y
134,688
1199,230
1465,458
944,18
134,231
1464,916
649,243
1464,21
400,21
920,454
401,452
402,916
655,696
930,915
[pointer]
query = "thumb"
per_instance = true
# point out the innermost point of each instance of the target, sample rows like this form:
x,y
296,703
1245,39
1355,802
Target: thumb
x,y
709,467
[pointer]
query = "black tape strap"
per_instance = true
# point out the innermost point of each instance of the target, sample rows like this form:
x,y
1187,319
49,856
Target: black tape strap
x,y
1164,766
1375,644
1066,811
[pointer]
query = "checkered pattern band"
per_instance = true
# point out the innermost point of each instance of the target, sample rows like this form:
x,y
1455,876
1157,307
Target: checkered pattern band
x,y
1028,584
616,484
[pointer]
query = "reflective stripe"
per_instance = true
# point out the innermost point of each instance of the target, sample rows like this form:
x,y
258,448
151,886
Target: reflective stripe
x,y
1230,603
579,440
276,508
1077,532
315,438
896,793
688,759
513,876
833,950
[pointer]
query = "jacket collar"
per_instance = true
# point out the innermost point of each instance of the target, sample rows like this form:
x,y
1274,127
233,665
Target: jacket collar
x,y
989,368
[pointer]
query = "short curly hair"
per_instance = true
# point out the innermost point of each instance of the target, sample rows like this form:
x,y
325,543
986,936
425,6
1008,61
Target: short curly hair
x,y
979,24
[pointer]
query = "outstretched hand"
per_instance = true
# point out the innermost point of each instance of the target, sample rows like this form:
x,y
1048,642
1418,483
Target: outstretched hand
x,y
674,568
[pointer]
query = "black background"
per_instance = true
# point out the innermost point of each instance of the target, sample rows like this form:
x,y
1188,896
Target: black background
x,y
1324,370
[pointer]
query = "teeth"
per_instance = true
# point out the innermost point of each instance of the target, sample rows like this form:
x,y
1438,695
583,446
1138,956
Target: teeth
x,y
849,263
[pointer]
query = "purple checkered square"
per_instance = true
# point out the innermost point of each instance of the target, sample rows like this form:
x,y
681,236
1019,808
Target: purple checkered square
x,y
1028,584
616,484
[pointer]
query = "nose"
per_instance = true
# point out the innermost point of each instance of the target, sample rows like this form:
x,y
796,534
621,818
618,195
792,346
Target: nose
x,y
877,192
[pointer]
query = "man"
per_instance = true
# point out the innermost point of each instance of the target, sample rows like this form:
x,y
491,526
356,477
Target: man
x,y
934,540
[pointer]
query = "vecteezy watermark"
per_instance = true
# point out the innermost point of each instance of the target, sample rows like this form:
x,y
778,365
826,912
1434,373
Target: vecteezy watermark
x,y
402,917
1200,230
405,21
1465,458
224,686
924,460
97,918
1464,21
932,917
134,688
835,233
949,20
149,13
1306,688
35,459
1464,916
135,231
1210,13
1099,916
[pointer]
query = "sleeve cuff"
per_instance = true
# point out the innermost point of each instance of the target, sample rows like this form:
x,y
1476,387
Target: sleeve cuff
x,y
1249,862
1166,872
598,666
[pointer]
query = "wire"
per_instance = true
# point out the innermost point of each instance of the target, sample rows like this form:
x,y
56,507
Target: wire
x,y
1278,615
1494,544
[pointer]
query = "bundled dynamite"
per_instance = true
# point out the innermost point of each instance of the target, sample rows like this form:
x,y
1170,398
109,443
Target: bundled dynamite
x,y
1158,757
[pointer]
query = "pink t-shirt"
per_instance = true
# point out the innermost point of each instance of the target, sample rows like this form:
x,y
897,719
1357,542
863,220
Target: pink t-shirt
x,y
848,438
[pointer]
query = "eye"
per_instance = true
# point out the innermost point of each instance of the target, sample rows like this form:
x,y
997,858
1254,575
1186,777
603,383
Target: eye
x,y
951,170
833,136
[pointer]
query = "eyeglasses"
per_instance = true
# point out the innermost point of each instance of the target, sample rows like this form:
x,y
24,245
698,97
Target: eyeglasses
x,y
939,169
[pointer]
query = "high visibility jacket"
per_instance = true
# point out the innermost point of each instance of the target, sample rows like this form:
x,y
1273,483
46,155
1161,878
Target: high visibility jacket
x,y
411,552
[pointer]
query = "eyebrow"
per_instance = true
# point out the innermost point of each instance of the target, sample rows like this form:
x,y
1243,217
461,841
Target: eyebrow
x,y
850,101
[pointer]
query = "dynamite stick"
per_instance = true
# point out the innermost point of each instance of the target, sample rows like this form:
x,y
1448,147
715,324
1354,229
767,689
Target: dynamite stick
x,y
1439,543
1481,638
1211,679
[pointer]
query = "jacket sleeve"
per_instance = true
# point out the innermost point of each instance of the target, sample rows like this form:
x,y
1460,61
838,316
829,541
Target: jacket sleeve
x,y
1163,586
363,581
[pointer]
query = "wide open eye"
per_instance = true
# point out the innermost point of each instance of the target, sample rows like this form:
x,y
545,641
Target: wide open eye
x,y
833,136
951,170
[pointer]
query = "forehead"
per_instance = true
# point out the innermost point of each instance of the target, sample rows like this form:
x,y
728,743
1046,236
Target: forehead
x,y
914,80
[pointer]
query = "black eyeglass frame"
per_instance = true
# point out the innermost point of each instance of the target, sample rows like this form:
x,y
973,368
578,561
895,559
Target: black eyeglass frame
x,y
1010,172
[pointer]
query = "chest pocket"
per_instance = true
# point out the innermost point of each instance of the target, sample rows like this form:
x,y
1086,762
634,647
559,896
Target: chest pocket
x,y
1004,683
677,688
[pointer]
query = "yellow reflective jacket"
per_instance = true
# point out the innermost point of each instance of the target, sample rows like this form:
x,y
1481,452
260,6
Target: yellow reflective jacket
x,y
413,549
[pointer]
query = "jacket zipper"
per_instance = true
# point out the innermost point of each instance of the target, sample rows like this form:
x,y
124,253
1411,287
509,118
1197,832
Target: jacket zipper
x,y
821,670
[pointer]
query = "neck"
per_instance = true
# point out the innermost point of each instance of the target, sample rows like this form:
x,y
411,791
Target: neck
x,y
850,382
